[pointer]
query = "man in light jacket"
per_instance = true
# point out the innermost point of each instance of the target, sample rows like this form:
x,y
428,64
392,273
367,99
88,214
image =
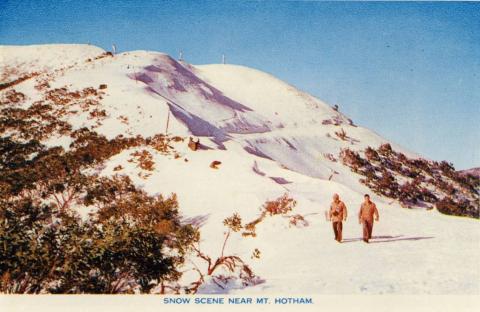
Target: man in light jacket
x,y
367,212
337,214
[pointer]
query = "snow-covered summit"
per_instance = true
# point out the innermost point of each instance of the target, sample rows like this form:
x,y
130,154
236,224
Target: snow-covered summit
x,y
271,97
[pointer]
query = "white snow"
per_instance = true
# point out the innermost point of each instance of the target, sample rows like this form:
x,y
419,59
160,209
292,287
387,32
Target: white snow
x,y
42,58
261,128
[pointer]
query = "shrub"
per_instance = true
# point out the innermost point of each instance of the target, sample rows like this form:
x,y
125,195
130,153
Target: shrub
x,y
385,149
281,205
446,167
12,97
371,154
351,159
53,251
144,160
133,242
409,194
387,184
462,190
458,208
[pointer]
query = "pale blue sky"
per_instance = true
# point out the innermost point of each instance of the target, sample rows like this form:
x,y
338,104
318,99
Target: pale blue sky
x,y
410,71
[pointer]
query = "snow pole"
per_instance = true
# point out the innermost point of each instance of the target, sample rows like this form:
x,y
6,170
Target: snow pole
x,y
168,121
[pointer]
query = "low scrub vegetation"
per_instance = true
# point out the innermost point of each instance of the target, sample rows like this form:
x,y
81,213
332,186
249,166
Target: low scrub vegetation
x,y
63,228
279,206
415,182
131,242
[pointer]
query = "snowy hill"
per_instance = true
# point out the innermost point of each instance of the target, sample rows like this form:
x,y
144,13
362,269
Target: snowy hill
x,y
269,139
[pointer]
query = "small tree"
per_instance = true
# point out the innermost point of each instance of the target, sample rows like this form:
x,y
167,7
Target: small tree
x,y
231,263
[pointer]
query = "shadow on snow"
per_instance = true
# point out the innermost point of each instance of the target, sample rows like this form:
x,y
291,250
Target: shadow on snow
x,y
387,239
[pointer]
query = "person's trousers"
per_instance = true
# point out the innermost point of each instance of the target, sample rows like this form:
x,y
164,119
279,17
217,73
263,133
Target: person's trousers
x,y
337,229
367,229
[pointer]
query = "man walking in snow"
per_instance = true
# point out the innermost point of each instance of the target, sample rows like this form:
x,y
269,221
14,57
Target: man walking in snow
x,y
367,212
337,214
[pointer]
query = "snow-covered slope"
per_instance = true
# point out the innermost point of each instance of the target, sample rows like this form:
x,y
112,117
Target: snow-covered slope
x,y
270,139
16,61
299,137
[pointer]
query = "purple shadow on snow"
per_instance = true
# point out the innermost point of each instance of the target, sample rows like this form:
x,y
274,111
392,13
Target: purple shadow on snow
x,y
204,147
280,180
195,124
141,77
216,95
255,151
191,79
198,126
177,85
387,239
257,170
289,144
196,221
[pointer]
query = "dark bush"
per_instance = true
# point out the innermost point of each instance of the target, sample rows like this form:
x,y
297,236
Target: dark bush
x,y
382,166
